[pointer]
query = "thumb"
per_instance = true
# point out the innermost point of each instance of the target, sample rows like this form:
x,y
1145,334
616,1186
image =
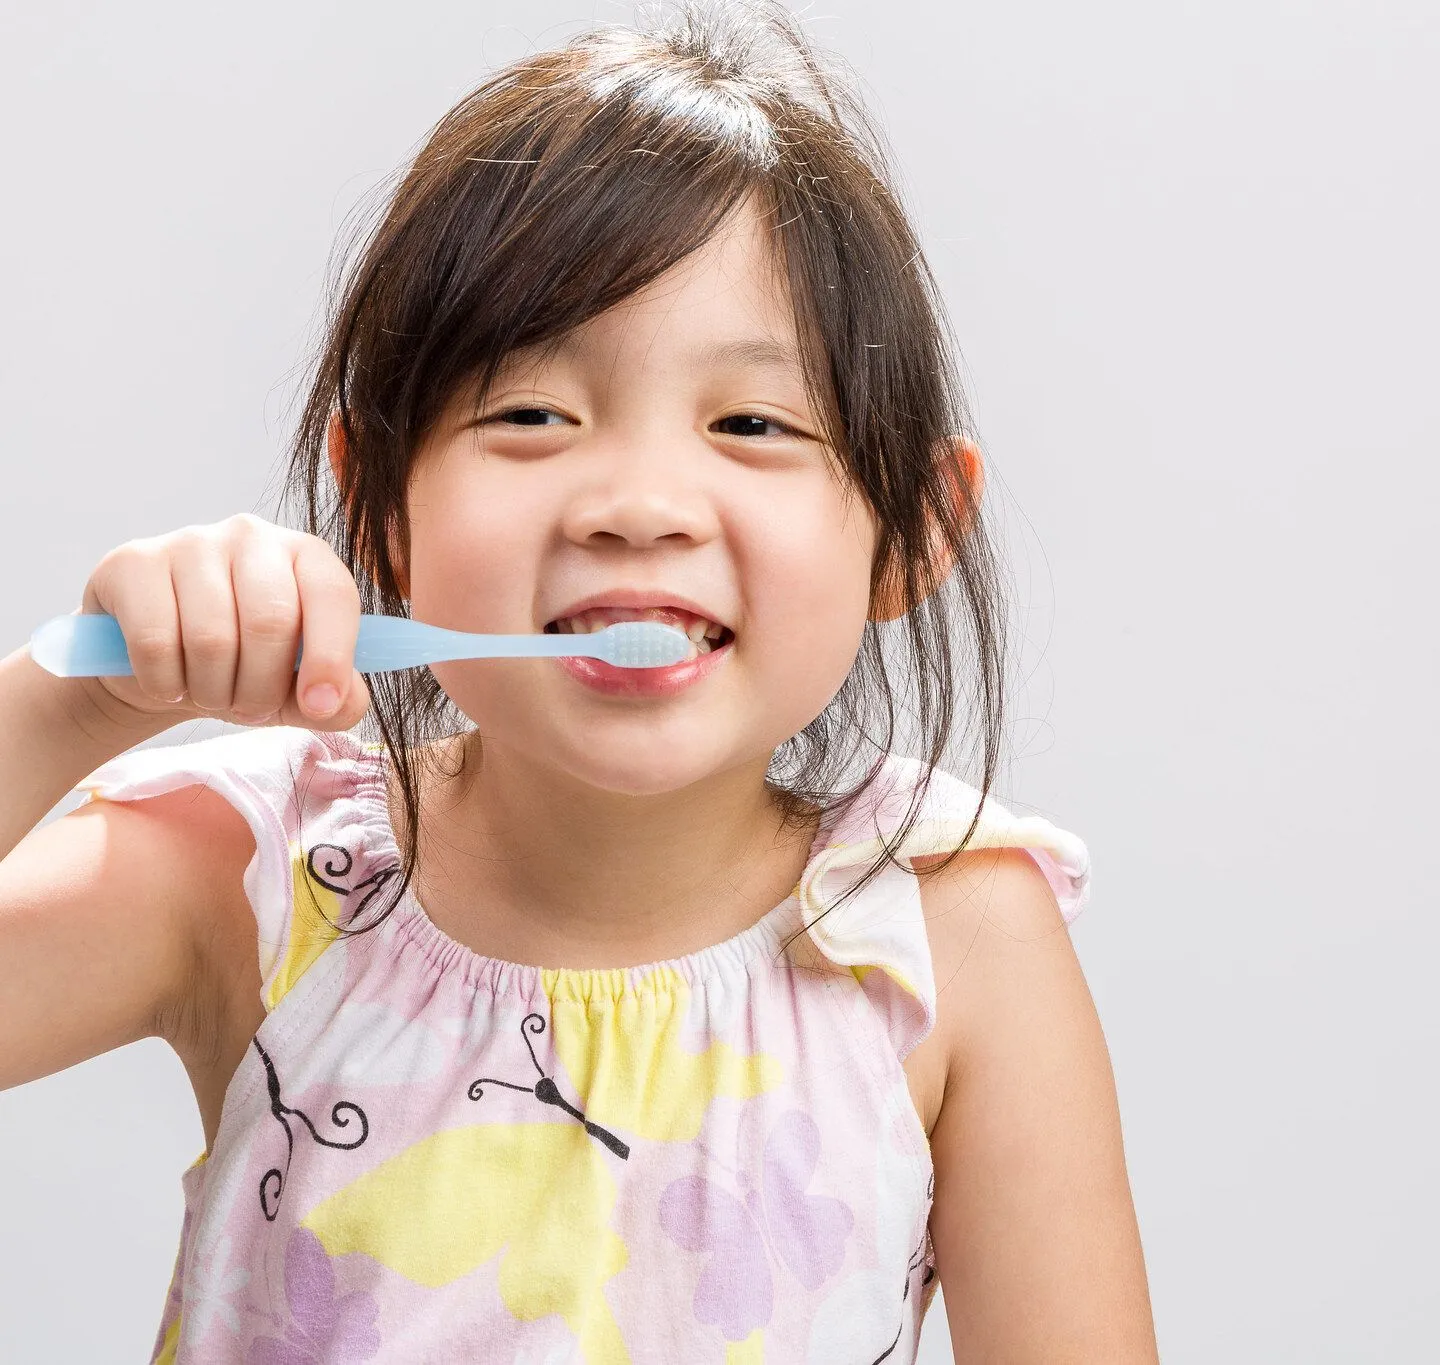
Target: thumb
x,y
353,704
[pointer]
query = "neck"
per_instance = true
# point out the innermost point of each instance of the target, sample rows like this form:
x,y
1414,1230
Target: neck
x,y
523,863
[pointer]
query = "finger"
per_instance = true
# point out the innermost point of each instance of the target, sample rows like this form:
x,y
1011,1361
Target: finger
x,y
209,630
330,626
354,706
133,584
267,605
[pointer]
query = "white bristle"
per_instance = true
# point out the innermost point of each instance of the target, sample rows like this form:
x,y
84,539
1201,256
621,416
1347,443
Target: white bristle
x,y
641,644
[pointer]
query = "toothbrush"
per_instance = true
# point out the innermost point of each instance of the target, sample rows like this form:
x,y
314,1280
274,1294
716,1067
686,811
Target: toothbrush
x,y
91,645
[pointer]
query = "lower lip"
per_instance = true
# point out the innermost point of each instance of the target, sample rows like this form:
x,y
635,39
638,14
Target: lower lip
x,y
643,682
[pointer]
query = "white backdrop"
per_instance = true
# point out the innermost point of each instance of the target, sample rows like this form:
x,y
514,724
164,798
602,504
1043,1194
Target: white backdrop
x,y
1190,253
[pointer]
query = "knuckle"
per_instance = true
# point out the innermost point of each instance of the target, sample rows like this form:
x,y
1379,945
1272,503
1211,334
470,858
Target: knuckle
x,y
128,554
209,643
337,584
185,540
151,645
325,663
270,623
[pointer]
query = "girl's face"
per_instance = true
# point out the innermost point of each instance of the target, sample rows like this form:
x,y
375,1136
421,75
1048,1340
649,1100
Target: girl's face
x,y
666,456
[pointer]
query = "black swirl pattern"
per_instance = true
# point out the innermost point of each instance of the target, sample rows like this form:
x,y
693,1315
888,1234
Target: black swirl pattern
x,y
546,1091
329,863
272,1183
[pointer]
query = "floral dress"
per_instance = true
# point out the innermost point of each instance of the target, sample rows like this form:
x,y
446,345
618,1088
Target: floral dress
x,y
428,1154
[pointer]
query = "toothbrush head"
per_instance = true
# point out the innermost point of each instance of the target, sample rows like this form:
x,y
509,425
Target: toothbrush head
x,y
639,644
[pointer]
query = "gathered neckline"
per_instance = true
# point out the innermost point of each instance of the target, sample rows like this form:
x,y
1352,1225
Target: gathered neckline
x,y
484,971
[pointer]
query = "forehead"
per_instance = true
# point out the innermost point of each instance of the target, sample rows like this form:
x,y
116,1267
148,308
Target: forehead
x,y
725,306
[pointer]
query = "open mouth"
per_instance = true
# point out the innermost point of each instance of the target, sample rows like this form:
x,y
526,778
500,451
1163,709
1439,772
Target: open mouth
x,y
705,636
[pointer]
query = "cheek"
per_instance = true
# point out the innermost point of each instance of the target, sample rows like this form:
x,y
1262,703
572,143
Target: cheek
x,y
471,566
819,549
810,588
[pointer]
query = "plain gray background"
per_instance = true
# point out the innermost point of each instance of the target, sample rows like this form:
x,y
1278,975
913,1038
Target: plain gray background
x,y
1190,252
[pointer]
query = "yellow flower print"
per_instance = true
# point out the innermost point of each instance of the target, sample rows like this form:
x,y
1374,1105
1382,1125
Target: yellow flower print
x,y
538,1195
625,1059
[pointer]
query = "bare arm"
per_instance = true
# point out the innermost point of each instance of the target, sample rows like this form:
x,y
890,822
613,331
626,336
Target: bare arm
x,y
1034,1227
53,733
109,918
93,953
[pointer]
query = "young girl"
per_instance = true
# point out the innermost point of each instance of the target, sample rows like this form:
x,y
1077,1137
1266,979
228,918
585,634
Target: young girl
x,y
591,1014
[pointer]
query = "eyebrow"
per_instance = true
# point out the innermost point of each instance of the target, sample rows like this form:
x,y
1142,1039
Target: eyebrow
x,y
757,352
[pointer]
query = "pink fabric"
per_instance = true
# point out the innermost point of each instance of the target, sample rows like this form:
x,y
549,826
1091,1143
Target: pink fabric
x,y
431,1155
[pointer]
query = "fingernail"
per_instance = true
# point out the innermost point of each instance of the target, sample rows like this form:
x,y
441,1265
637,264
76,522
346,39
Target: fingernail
x,y
322,699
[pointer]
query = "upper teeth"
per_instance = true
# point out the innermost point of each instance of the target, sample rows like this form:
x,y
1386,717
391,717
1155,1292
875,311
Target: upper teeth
x,y
583,623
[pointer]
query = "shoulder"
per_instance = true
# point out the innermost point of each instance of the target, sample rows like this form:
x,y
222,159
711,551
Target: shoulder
x,y
1001,954
994,910
998,939
271,775
1001,904
1015,879
1002,890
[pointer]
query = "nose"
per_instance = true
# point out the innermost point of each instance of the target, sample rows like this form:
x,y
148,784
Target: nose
x,y
642,492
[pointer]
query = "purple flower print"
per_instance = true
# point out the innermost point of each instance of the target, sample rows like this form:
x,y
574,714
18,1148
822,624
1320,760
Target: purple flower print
x,y
735,1291
805,1232
323,1330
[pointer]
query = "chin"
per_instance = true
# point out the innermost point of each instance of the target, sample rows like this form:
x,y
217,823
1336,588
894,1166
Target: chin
x,y
656,773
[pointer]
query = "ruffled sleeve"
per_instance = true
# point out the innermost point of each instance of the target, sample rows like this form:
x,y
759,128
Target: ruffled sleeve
x,y
879,933
281,779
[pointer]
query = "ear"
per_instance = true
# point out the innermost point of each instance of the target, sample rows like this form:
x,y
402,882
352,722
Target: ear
x,y
338,451
335,448
965,466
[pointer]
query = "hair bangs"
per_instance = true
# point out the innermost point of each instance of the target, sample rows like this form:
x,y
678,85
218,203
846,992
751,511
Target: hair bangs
x,y
539,217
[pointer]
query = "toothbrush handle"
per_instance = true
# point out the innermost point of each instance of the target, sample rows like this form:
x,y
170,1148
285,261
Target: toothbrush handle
x,y
85,645
91,645
388,642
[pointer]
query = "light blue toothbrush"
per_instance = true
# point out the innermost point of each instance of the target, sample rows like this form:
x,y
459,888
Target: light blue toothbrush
x,y
91,645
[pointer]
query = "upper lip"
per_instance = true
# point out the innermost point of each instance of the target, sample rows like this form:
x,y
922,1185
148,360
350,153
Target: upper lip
x,y
637,599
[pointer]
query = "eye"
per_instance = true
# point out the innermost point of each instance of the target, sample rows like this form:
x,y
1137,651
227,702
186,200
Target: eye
x,y
524,417
742,418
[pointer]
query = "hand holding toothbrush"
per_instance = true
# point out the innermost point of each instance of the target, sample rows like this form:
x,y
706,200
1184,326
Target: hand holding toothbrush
x,y
205,621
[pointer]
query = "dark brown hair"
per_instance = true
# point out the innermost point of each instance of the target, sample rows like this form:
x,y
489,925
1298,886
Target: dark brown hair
x,y
571,179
